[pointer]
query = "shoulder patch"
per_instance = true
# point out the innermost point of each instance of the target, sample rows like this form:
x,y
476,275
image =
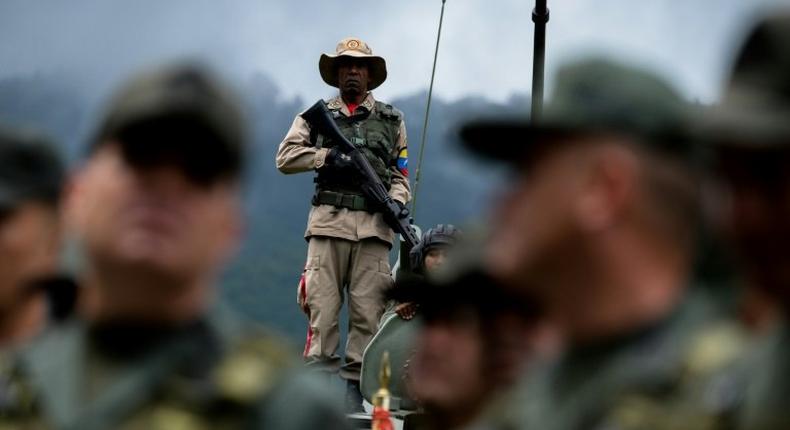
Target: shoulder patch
x,y
403,162
389,112
334,104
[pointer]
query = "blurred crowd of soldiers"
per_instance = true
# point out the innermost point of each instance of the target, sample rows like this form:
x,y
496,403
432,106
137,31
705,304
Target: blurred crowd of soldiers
x,y
634,274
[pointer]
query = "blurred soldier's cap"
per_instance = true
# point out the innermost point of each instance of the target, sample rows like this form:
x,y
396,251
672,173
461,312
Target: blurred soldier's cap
x,y
470,289
356,48
30,169
755,109
180,115
590,96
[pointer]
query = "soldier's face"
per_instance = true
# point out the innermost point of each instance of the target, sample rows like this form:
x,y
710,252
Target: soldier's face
x,y
434,258
29,239
753,212
153,220
533,230
446,371
353,75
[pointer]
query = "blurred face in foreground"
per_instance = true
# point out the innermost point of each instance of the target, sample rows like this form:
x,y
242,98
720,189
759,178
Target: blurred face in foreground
x,y
152,220
534,226
445,373
753,213
29,240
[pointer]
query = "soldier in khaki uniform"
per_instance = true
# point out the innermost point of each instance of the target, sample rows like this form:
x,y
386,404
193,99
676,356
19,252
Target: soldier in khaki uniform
x,y
156,209
349,240
749,133
599,228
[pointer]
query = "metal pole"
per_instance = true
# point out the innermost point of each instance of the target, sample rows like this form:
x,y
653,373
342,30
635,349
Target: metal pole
x,y
427,113
540,16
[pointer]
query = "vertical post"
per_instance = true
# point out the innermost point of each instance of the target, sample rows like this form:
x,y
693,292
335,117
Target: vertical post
x,y
427,115
540,16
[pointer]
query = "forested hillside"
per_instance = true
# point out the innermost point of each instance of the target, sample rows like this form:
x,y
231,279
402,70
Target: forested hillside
x,y
261,281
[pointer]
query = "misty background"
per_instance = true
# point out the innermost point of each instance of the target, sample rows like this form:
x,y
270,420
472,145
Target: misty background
x,y
61,60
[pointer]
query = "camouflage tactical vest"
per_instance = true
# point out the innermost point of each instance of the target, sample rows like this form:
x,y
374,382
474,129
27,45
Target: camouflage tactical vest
x,y
374,133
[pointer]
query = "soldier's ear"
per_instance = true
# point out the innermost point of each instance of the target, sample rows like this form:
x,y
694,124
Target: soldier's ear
x,y
608,190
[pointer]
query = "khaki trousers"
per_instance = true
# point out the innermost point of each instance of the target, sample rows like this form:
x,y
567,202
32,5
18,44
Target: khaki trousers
x,y
335,266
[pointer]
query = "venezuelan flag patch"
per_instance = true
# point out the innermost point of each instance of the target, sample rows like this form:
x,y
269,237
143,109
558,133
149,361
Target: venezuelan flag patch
x,y
403,162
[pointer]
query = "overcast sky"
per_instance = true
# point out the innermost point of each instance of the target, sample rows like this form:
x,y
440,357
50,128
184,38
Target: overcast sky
x,y
486,46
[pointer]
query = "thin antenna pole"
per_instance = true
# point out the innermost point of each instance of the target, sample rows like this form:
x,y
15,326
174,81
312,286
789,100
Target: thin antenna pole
x,y
540,16
427,114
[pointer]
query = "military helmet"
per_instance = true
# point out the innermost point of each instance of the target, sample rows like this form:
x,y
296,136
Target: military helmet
x,y
441,235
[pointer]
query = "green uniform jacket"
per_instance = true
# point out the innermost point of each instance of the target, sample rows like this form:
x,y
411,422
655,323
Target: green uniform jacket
x,y
219,373
768,393
661,377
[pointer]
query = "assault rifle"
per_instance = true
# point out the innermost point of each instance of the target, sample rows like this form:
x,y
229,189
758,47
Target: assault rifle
x,y
373,189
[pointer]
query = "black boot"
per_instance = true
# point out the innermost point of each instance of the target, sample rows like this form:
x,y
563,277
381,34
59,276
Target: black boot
x,y
353,397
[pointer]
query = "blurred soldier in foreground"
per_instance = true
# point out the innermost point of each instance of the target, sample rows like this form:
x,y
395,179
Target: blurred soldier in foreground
x,y
473,342
349,239
31,177
599,227
398,326
156,206
751,129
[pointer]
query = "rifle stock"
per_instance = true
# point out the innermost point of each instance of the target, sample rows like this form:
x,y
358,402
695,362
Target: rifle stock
x,y
373,189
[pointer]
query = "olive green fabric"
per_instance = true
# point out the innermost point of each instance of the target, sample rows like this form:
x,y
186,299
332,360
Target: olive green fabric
x,y
660,377
594,95
768,395
375,133
396,336
216,373
755,109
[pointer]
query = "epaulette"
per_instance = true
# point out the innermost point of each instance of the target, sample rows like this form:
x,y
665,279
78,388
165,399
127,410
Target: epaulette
x,y
387,111
251,368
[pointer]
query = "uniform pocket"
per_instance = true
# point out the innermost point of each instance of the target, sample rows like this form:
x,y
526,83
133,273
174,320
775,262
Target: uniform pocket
x,y
314,263
384,267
